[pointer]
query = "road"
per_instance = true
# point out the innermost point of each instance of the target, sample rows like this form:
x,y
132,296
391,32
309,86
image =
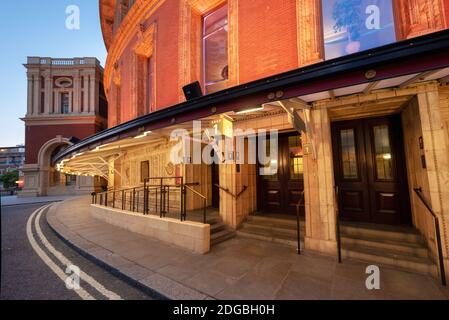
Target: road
x,y
34,261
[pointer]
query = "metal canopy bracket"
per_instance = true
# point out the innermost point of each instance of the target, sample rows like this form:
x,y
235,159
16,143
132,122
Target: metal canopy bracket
x,y
302,124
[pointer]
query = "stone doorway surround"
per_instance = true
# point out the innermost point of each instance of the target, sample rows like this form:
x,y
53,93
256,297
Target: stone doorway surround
x,y
424,111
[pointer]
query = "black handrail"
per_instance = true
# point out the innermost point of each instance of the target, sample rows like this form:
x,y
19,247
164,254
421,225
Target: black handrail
x,y
235,196
298,225
436,224
164,191
337,223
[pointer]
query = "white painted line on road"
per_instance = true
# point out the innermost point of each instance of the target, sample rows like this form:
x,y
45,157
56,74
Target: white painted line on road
x,y
84,276
45,258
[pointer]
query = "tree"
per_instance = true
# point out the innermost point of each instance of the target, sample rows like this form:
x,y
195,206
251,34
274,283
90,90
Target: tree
x,y
9,179
347,14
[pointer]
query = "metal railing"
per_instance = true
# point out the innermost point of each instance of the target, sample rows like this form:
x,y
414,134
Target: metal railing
x,y
156,196
337,224
298,224
194,192
436,224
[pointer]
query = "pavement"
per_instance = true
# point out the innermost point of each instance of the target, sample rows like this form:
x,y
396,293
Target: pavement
x,y
14,200
237,269
26,275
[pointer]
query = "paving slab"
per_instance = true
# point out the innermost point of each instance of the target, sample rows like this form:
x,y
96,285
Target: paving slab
x,y
238,269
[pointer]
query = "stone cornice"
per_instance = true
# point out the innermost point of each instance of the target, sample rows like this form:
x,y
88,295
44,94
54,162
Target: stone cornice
x,y
58,120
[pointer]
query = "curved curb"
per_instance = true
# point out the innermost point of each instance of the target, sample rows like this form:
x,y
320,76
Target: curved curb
x,y
59,231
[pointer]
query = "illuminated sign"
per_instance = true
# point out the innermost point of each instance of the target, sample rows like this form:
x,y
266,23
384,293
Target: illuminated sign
x,y
352,26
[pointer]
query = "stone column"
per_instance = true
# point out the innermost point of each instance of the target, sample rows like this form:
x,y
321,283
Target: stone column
x,y
86,93
57,103
30,97
319,187
437,157
71,102
48,94
76,93
92,104
36,93
310,36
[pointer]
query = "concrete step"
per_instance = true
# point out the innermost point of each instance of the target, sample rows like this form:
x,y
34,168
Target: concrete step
x,y
221,236
389,258
381,232
406,248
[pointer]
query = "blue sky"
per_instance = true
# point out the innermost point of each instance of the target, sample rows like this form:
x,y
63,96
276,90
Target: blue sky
x,y
37,28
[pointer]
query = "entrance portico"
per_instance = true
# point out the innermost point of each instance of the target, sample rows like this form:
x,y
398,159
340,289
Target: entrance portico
x,y
415,98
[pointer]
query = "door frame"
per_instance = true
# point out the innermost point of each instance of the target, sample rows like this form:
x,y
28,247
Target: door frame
x,y
283,162
367,171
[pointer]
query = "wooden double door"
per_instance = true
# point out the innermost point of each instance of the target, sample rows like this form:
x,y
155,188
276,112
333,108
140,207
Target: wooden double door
x,y
370,171
279,190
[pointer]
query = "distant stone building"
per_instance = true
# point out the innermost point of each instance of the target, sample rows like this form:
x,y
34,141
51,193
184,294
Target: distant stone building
x,y
11,158
66,103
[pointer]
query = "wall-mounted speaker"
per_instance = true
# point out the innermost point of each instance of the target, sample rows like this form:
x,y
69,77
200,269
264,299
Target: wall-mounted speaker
x,y
192,91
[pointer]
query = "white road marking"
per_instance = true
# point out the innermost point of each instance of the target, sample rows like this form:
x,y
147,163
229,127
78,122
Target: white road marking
x,y
61,274
84,276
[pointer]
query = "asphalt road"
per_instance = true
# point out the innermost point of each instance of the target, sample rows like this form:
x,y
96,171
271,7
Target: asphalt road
x,y
25,275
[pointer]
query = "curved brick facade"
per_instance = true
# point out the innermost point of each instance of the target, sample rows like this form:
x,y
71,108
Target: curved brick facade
x,y
266,37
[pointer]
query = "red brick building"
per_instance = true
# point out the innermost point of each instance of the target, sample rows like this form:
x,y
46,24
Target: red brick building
x,y
66,103
357,91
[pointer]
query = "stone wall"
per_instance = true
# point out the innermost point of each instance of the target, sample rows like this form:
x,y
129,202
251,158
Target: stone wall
x,y
192,236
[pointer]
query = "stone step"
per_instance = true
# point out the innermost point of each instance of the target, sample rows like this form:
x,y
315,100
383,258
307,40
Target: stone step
x,y
217,227
381,232
269,229
273,236
406,248
221,236
274,221
389,258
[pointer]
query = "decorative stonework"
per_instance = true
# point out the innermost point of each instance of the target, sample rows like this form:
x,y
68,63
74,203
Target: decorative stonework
x,y
145,43
310,35
418,17
140,11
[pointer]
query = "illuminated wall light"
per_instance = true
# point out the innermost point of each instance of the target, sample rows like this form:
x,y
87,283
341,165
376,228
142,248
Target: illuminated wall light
x,y
245,111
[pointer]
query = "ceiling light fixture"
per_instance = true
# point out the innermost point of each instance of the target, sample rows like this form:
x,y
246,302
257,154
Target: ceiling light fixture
x,y
249,110
143,135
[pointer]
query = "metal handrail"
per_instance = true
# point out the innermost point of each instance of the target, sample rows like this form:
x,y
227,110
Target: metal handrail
x,y
235,196
436,222
298,226
164,191
337,223
186,187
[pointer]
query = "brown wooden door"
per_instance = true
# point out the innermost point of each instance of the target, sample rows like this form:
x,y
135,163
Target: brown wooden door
x,y
281,191
369,168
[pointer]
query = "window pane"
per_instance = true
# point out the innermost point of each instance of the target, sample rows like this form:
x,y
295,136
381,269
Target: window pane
x,y
351,26
348,154
64,103
383,153
267,169
296,157
216,20
215,46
